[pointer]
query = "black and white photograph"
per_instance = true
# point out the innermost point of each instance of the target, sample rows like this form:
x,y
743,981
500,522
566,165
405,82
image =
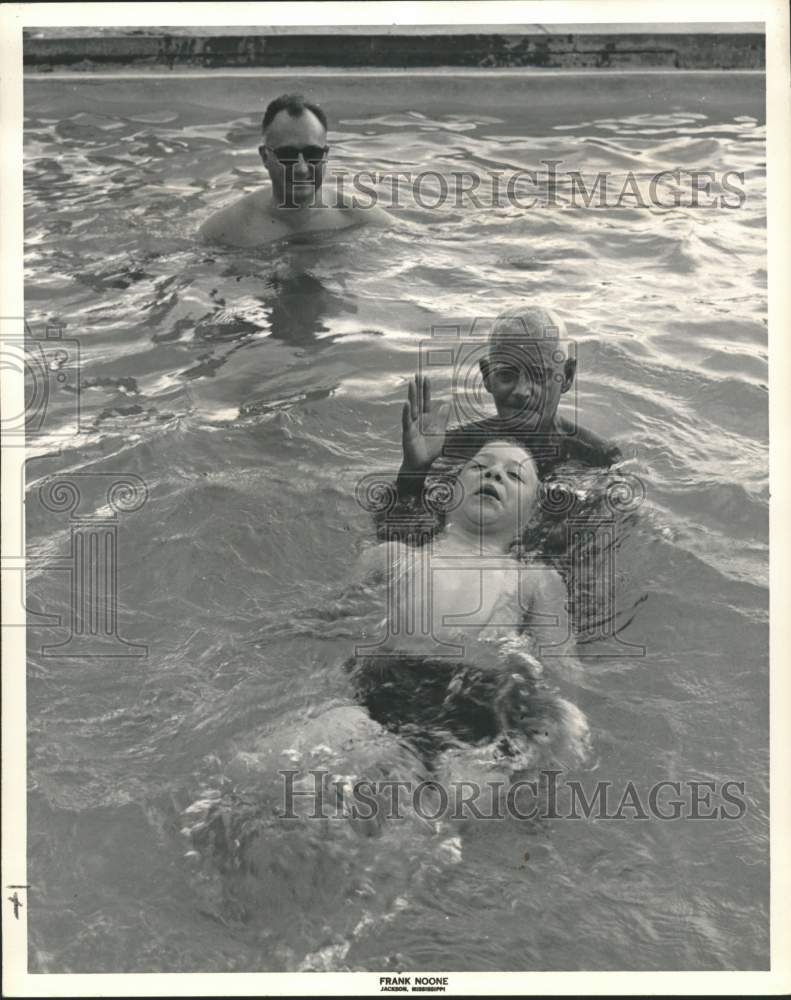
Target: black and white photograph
x,y
386,487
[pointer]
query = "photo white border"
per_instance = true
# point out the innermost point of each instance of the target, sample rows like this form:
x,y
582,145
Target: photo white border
x,y
13,18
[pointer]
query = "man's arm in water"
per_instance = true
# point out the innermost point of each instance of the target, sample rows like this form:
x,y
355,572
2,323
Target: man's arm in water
x,y
586,446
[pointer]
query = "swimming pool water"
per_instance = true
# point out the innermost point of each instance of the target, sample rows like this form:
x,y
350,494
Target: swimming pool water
x,y
250,391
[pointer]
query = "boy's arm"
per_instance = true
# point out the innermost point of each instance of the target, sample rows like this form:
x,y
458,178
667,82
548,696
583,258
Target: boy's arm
x,y
535,621
547,620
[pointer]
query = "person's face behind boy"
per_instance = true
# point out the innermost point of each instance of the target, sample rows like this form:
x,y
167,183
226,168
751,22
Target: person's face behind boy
x,y
527,370
499,486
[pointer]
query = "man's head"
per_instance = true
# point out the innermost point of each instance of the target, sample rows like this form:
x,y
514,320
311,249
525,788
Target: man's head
x,y
500,489
527,369
294,149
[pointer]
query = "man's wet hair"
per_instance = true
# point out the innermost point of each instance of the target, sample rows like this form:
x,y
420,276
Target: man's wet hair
x,y
533,327
530,322
295,105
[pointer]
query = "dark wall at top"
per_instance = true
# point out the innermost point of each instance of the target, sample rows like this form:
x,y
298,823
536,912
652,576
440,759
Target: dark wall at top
x,y
672,51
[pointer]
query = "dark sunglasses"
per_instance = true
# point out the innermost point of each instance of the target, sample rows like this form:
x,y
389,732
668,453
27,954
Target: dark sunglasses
x,y
288,155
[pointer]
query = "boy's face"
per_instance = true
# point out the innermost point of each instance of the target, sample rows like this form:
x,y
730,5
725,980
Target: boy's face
x,y
499,485
526,379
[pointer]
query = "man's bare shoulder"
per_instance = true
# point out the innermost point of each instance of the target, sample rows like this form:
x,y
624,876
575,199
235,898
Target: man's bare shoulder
x,y
226,225
368,216
373,216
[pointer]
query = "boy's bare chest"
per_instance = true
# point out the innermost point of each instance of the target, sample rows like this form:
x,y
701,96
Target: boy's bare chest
x,y
460,592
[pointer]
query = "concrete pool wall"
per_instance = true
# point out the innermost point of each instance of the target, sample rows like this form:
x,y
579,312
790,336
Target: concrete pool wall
x,y
604,47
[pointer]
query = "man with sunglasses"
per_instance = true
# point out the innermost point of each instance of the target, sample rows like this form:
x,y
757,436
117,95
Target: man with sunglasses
x,y
294,151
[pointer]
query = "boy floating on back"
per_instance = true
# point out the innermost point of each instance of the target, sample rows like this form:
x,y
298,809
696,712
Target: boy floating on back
x,y
454,662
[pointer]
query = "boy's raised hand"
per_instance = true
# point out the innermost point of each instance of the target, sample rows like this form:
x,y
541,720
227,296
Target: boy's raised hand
x,y
424,426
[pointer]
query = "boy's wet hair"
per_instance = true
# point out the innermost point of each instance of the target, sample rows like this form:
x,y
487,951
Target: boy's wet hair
x,y
527,541
295,105
512,441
